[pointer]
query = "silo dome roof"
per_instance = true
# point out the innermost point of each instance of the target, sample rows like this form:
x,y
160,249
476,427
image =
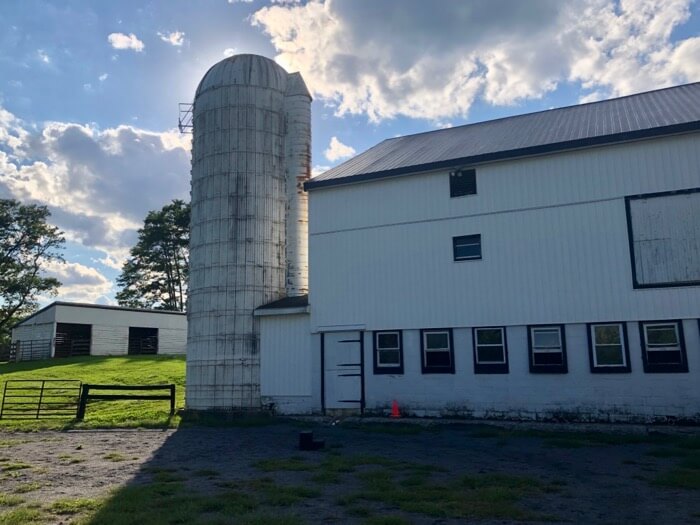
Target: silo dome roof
x,y
252,70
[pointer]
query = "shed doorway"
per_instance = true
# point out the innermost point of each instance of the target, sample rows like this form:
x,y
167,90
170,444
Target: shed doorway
x,y
342,380
72,339
143,341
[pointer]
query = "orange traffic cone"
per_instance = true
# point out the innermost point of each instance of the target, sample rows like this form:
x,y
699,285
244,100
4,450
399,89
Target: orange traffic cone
x,y
395,410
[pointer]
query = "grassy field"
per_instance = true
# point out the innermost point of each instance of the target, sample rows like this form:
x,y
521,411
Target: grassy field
x,y
128,370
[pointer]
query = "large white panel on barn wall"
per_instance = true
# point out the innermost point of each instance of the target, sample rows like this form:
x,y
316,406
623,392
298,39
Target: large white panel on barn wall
x,y
285,355
109,340
666,238
554,241
33,332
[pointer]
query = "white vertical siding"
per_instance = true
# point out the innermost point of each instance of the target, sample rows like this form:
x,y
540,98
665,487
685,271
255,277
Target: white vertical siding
x,y
554,238
109,340
285,355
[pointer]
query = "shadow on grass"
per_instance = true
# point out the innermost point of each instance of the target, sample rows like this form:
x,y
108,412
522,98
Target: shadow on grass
x,y
195,478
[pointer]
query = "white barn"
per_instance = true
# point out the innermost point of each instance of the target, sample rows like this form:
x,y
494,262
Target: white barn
x,y
540,266
64,329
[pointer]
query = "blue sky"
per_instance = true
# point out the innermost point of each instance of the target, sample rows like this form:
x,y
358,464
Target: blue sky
x,y
89,91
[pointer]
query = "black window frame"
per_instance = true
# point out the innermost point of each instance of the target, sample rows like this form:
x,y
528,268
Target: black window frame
x,y
457,239
664,368
433,369
636,284
465,190
490,368
384,369
562,368
626,368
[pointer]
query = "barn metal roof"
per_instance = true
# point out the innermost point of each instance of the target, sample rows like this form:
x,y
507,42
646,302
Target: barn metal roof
x,y
644,115
99,306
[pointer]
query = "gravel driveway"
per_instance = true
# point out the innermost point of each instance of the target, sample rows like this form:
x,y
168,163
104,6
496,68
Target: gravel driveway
x,y
591,480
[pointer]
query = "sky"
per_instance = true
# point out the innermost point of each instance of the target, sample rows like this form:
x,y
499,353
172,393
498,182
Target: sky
x,y
89,90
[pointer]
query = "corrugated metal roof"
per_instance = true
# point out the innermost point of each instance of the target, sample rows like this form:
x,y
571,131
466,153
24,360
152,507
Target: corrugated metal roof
x,y
99,306
655,113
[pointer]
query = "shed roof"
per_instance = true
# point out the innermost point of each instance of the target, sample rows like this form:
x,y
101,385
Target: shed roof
x,y
100,306
299,301
644,115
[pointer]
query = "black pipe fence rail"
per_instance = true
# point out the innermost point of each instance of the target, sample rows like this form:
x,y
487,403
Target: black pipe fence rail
x,y
86,396
40,398
32,350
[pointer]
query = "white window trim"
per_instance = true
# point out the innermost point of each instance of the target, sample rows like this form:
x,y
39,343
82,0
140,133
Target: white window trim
x,y
546,349
648,348
447,349
501,345
379,349
622,345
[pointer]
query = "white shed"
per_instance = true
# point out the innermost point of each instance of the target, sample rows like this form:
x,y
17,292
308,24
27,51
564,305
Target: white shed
x,y
73,329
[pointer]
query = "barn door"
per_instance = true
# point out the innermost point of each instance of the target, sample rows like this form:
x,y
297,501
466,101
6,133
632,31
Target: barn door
x,y
343,381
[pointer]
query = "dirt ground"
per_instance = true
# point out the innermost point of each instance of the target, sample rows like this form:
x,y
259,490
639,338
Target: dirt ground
x,y
592,480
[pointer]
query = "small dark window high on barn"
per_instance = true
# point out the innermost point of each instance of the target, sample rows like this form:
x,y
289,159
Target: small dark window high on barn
x,y
462,182
72,339
143,341
466,247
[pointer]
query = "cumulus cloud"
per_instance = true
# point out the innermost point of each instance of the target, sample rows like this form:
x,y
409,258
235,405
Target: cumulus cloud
x,y
434,63
174,38
103,77
79,283
229,52
99,184
123,41
337,150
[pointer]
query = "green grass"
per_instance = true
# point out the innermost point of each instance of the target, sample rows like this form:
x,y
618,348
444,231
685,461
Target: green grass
x,y
73,506
114,456
126,370
480,496
27,487
9,467
170,503
21,516
10,501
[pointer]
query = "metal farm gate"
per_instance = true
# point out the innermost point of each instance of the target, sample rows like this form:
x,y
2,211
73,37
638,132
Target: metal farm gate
x,y
40,398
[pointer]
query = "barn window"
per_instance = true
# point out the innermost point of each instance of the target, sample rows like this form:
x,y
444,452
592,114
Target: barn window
x,y
664,238
466,247
547,349
663,348
388,352
143,341
608,348
462,182
438,352
490,352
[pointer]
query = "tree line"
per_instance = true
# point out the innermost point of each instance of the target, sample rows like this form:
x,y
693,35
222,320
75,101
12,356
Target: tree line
x,y
153,276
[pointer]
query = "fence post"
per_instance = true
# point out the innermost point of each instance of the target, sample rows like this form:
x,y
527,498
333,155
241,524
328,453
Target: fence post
x,y
4,397
83,402
172,399
41,398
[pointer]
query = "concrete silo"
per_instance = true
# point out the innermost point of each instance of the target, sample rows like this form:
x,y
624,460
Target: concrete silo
x,y
248,247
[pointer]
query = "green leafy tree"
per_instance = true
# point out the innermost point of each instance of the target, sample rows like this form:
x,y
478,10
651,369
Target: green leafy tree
x,y
27,244
155,274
